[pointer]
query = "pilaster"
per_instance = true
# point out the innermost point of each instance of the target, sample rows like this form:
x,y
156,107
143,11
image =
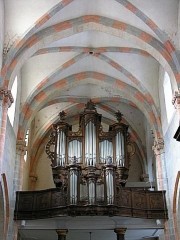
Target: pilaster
x,y
158,149
162,183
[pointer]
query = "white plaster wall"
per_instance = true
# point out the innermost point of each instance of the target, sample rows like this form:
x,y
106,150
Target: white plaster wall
x,y
39,67
135,170
106,8
172,154
149,152
163,111
21,15
1,30
164,13
178,45
44,173
9,157
145,69
162,101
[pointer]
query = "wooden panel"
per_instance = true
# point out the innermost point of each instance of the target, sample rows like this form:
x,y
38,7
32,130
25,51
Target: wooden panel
x,y
54,202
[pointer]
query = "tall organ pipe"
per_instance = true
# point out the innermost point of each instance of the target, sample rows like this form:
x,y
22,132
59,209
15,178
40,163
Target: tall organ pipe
x,y
91,191
75,150
109,184
106,150
73,188
90,144
120,149
61,146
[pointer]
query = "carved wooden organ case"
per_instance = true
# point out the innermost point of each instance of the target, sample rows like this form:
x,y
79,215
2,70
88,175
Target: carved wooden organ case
x,y
90,164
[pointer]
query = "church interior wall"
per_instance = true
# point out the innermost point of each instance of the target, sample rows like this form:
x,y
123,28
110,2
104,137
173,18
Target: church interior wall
x,y
37,68
1,30
172,154
10,157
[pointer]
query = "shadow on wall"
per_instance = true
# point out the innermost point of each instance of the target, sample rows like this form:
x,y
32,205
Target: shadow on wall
x,y
176,205
1,212
4,205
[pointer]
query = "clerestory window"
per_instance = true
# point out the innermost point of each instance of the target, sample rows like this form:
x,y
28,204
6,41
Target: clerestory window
x,y
168,97
11,110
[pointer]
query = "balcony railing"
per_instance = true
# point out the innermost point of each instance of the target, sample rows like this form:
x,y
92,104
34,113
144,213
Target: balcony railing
x,y
55,202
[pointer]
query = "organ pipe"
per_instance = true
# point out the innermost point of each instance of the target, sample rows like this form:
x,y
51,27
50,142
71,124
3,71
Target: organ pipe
x,y
90,144
110,185
106,150
73,172
61,148
119,149
75,150
91,191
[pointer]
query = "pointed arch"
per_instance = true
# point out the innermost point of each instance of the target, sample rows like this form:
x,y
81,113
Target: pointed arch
x,y
64,29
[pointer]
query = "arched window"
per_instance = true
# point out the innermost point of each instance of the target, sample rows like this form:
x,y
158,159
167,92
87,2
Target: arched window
x,y
11,110
26,140
168,97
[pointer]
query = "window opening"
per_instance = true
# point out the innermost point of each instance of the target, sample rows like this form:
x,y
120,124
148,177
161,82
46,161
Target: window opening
x,y
26,140
11,110
168,96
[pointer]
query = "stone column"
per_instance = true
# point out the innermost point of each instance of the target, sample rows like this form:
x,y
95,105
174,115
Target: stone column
x,y
162,184
17,186
120,232
6,99
161,174
18,171
62,234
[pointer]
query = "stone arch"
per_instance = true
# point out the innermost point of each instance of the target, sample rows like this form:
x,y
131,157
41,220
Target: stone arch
x,y
104,58
84,51
96,50
35,42
30,107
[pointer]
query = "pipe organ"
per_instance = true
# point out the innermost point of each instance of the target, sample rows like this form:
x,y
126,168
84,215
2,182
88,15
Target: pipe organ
x,y
89,164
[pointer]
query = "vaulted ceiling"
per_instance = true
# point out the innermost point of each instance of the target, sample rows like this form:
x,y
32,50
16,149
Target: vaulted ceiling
x,y
106,50
110,51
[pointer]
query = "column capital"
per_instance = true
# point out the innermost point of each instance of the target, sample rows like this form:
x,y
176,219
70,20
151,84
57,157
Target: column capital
x,y
158,147
33,178
176,99
61,233
120,230
120,233
21,147
6,96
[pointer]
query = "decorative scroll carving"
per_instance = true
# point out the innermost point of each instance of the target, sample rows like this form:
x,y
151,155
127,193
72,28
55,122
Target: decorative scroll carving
x,y
6,96
21,147
176,99
158,147
55,202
